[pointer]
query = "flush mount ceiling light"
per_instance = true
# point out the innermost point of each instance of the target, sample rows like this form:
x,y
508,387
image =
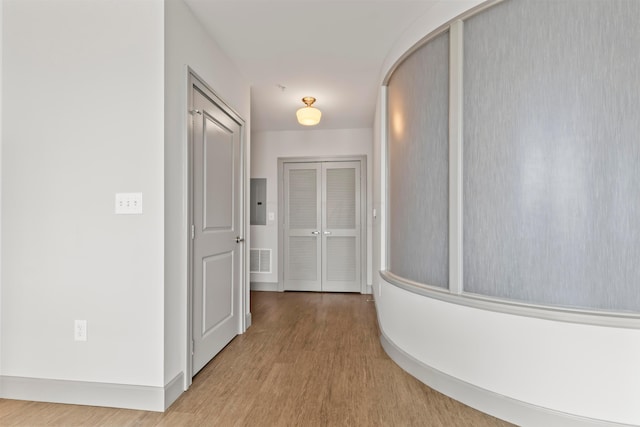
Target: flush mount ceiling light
x,y
309,116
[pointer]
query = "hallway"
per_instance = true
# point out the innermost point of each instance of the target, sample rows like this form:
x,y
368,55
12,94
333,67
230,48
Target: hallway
x,y
309,359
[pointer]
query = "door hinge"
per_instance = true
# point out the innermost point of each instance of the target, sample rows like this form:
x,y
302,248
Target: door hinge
x,y
193,231
192,346
195,112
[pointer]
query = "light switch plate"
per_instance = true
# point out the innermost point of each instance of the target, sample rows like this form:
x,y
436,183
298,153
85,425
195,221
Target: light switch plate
x,y
128,203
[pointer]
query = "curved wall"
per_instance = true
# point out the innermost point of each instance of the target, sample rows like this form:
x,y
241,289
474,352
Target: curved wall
x,y
550,182
527,370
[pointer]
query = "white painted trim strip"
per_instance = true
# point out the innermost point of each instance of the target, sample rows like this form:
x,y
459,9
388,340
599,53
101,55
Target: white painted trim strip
x,y
265,286
595,318
173,390
146,398
456,40
384,149
497,405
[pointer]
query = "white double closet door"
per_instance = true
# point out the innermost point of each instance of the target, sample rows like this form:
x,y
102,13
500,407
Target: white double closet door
x,y
322,226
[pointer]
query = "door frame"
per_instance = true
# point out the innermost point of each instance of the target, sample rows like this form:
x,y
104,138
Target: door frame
x,y
363,210
193,79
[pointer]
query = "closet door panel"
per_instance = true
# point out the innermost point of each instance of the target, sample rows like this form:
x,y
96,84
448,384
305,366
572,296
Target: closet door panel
x,y
302,227
341,263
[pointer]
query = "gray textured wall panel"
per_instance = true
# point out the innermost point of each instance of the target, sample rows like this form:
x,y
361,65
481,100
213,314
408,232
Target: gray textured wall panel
x,y
552,153
418,165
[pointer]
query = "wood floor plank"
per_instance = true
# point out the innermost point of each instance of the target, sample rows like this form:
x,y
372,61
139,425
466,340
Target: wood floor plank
x,y
309,359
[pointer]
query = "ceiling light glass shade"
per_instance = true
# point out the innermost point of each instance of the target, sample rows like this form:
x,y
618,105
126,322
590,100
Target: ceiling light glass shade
x,y
308,116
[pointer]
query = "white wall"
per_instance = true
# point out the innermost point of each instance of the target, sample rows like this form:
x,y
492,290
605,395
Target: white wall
x,y
1,133
98,105
582,370
188,45
267,147
585,370
82,119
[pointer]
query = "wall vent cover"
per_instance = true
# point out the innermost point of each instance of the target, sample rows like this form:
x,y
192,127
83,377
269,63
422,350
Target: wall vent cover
x,y
260,261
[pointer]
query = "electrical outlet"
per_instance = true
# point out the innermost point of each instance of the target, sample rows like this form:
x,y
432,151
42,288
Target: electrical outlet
x,y
80,330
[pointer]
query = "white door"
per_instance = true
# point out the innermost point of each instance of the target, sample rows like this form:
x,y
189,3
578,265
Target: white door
x,y
341,249
322,227
216,209
302,226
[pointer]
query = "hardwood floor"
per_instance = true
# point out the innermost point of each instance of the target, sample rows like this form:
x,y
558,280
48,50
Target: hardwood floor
x,y
308,360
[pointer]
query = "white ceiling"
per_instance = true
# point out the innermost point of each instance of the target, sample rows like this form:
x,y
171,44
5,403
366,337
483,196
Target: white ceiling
x,y
332,50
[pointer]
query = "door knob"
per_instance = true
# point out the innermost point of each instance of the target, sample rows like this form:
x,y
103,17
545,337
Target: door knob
x,y
239,239
315,233
327,232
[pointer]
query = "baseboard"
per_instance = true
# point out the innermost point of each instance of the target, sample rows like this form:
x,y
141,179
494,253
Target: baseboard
x,y
368,290
497,405
264,286
247,320
124,396
173,390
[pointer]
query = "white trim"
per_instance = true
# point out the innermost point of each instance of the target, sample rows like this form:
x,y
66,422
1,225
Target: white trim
x,y
265,286
247,321
384,147
456,46
188,168
585,317
173,389
145,398
497,405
